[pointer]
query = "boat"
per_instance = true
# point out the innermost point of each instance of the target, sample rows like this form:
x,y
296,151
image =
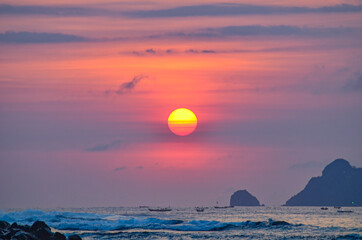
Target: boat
x,y
337,207
324,208
159,209
222,207
199,209
345,211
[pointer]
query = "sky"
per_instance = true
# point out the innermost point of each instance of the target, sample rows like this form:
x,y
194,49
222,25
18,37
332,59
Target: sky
x,y
86,88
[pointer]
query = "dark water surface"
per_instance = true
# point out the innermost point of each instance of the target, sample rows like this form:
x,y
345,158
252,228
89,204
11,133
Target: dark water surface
x,y
186,223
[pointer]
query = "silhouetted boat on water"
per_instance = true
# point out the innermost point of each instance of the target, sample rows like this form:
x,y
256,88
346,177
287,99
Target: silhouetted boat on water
x,y
345,211
199,209
159,209
222,207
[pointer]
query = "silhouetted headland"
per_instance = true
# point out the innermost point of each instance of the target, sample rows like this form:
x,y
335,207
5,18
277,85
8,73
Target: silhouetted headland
x,y
339,185
243,198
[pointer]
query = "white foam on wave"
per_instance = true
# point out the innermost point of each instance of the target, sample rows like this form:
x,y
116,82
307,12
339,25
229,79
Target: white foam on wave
x,y
103,222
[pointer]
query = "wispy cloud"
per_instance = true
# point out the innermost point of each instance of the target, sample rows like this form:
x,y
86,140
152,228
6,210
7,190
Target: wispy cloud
x,y
259,30
11,37
225,9
36,37
240,9
52,10
195,51
168,52
120,168
104,147
150,52
354,84
127,87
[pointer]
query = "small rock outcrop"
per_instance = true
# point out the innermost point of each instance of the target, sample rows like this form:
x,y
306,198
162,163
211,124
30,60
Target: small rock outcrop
x,y
243,198
38,231
339,185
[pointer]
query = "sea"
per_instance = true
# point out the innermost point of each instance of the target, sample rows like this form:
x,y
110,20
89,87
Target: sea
x,y
187,223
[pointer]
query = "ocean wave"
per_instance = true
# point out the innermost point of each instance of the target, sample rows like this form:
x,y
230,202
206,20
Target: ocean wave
x,y
103,222
350,236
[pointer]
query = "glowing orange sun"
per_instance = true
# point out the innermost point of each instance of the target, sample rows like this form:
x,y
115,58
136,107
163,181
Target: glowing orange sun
x,y
182,122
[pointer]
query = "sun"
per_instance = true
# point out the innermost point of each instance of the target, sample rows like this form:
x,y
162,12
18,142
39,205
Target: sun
x,y
182,122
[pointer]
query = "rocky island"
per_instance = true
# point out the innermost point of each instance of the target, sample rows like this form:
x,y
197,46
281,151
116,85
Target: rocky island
x,y
38,231
339,185
243,198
